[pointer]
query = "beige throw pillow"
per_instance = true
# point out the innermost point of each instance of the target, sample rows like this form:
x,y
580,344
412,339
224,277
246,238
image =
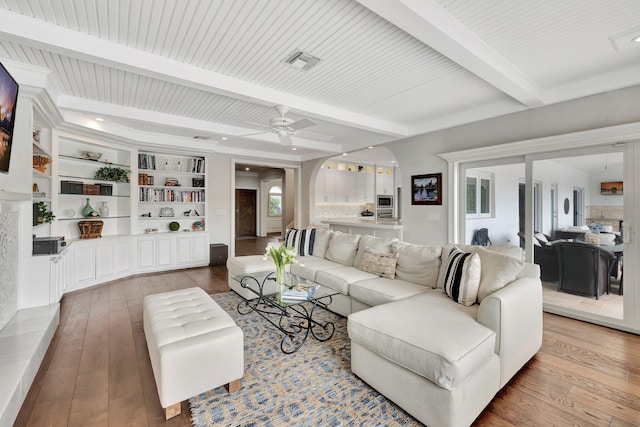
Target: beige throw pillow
x,y
418,264
498,270
378,244
342,248
382,264
321,242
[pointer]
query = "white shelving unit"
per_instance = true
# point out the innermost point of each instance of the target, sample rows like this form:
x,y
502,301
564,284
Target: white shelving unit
x,y
171,188
42,186
74,166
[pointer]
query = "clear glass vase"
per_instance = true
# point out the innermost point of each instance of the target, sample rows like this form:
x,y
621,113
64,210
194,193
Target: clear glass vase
x,y
280,282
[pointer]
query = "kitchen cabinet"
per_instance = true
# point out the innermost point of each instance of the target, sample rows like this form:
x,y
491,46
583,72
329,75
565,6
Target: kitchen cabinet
x,y
384,180
353,184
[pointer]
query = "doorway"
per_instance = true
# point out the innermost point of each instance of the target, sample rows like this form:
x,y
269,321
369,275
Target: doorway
x,y
553,204
578,207
246,223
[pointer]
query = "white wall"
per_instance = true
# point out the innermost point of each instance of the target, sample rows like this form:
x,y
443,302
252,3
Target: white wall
x,y
219,191
548,173
503,227
597,199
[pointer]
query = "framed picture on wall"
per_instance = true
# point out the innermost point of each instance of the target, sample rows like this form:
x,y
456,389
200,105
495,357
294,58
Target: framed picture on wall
x,y
426,189
611,188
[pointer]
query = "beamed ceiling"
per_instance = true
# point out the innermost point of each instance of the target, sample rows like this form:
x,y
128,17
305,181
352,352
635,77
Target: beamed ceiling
x,y
170,70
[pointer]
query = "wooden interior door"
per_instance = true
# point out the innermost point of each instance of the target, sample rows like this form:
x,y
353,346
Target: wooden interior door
x,y
246,213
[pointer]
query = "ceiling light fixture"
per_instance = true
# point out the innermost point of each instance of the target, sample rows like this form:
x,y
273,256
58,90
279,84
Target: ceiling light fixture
x,y
99,119
293,148
247,169
301,60
636,39
344,154
224,138
370,147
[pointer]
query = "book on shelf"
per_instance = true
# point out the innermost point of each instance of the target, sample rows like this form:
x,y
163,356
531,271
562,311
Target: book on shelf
x,y
299,293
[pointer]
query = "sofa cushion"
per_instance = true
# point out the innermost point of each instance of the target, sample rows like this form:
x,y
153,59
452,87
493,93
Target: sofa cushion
x,y
300,240
380,264
462,276
378,244
248,265
321,242
340,279
448,347
342,248
381,290
311,265
418,264
498,270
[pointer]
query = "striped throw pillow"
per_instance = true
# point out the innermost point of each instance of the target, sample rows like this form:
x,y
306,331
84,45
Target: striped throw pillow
x,y
462,276
300,240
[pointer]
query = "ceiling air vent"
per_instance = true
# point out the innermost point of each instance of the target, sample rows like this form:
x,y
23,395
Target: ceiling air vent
x,y
302,60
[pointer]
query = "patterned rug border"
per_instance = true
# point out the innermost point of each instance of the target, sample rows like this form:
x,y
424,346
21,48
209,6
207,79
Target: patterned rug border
x,y
312,387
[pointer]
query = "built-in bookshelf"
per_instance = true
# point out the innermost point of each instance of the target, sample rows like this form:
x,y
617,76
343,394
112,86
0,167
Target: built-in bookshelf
x,y
171,188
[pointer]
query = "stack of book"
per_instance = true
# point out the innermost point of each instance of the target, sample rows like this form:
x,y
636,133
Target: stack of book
x,y
299,293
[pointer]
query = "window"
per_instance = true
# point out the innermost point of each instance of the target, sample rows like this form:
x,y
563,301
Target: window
x,y
479,194
275,201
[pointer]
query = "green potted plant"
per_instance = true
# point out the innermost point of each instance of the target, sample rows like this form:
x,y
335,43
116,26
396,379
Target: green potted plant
x,y
109,173
44,214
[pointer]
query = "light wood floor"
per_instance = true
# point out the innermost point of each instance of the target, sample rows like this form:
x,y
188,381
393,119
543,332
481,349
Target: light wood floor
x,y
610,305
97,370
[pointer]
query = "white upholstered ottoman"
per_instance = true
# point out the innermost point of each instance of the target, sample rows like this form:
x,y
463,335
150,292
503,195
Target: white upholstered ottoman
x,y
194,346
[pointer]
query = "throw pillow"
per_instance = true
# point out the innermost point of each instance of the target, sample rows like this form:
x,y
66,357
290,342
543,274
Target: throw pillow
x,y
342,248
378,244
418,264
497,271
321,243
382,264
462,276
300,240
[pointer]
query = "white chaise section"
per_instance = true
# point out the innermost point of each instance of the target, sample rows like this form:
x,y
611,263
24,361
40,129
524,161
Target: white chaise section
x,y
194,346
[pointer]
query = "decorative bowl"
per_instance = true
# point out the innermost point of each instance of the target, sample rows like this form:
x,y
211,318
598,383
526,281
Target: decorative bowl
x,y
91,155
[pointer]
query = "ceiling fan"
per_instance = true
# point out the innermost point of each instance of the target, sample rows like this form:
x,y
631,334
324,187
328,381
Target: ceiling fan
x,y
284,126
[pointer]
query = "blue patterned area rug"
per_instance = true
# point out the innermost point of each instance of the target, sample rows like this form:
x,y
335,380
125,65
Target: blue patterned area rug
x,y
312,387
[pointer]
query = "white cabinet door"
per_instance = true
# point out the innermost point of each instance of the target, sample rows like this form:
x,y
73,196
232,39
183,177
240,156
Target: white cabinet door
x,y
369,190
331,185
84,262
105,260
123,257
146,253
165,251
348,187
200,251
183,246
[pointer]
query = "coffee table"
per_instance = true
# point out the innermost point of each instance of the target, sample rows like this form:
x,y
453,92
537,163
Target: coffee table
x,y
294,318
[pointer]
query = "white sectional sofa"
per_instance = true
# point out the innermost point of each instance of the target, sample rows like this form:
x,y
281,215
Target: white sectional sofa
x,y
440,360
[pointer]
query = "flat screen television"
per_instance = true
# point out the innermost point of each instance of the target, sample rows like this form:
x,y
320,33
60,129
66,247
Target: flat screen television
x,y
8,99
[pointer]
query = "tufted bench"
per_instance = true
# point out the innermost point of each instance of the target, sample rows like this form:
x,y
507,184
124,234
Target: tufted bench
x,y
194,346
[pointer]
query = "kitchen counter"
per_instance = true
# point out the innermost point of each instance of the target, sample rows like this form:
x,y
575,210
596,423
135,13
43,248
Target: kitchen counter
x,y
367,225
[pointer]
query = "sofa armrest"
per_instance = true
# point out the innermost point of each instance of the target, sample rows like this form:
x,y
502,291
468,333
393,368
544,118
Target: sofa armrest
x,y
514,313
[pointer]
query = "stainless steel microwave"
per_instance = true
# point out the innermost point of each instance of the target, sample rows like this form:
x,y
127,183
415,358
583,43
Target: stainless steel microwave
x,y
384,201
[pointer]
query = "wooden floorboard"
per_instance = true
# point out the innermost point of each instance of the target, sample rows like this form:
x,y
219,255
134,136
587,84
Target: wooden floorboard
x,y
97,370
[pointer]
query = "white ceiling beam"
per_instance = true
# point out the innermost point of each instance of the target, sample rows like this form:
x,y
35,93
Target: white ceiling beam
x,y
39,34
97,108
433,25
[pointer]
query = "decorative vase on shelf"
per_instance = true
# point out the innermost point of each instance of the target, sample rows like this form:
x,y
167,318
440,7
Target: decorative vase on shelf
x,y
87,210
104,210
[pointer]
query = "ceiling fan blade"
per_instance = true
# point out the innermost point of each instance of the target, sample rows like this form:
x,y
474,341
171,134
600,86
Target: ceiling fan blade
x,y
252,134
285,139
302,124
